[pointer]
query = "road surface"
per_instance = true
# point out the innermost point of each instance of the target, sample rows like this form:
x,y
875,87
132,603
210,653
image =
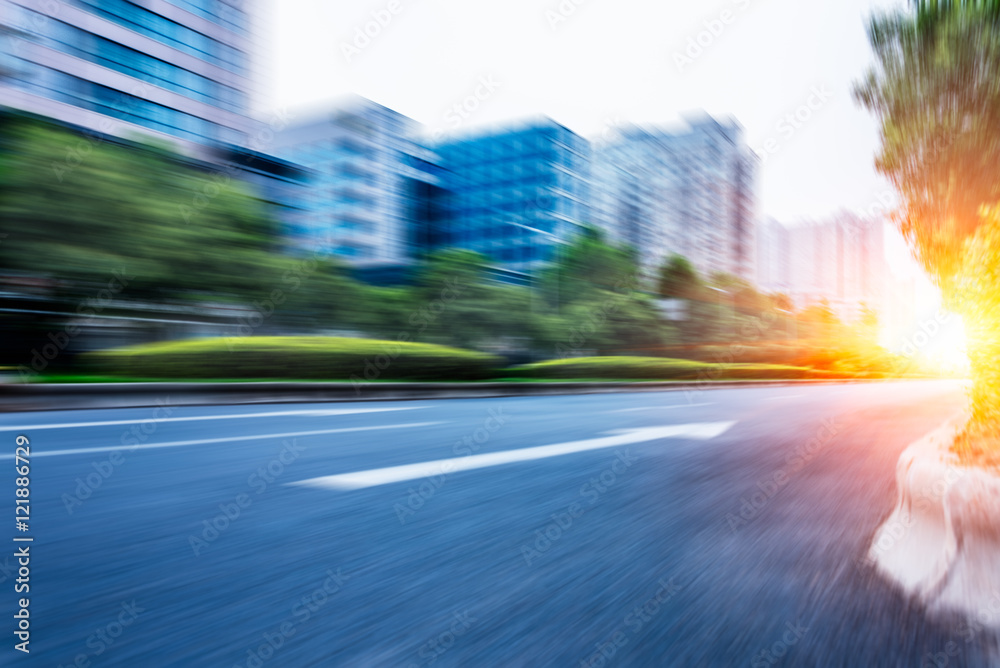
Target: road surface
x,y
711,528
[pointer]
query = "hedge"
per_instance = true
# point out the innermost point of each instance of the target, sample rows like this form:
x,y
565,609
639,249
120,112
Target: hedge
x,y
657,368
842,360
291,357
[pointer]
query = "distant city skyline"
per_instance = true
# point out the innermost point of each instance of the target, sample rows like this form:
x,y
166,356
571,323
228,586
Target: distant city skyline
x,y
589,65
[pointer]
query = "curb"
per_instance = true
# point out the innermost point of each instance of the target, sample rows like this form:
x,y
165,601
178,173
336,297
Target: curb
x,y
941,544
18,397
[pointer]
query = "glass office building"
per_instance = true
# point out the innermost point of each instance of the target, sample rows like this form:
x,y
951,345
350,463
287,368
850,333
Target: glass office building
x,y
372,194
515,195
174,70
177,69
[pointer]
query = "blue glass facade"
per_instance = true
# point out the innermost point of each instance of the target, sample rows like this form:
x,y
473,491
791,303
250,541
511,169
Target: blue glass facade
x,y
515,195
91,96
171,33
144,67
178,68
226,14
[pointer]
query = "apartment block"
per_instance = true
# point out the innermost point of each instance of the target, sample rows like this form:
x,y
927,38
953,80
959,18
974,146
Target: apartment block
x,y
688,190
839,260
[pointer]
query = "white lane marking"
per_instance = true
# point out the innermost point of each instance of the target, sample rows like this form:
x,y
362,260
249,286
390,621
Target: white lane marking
x,y
234,416
374,477
783,396
205,441
650,408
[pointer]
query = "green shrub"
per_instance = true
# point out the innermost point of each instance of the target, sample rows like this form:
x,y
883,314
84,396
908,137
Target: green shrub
x,y
811,353
750,353
290,357
649,368
654,368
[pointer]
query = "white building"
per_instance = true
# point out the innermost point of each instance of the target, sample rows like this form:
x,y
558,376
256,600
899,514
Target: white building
x,y
774,257
371,197
688,190
839,260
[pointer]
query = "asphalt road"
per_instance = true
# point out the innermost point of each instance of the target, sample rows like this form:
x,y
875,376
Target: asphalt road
x,y
714,528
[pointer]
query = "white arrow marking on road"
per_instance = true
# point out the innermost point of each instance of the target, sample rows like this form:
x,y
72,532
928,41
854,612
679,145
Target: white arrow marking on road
x,y
374,477
234,416
225,439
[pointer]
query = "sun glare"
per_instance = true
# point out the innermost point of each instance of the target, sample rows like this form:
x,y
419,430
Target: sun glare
x,y
946,349
939,343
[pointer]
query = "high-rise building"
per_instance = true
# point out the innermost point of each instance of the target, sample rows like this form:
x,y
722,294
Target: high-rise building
x,y
689,190
371,199
774,257
176,69
180,70
516,195
839,260
633,199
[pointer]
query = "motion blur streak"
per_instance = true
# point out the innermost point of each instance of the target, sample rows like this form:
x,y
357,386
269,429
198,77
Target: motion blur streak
x,y
799,561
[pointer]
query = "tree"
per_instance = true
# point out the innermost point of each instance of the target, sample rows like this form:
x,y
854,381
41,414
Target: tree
x,y
106,226
588,263
679,279
979,290
782,302
317,294
820,322
79,209
634,326
868,323
454,303
934,88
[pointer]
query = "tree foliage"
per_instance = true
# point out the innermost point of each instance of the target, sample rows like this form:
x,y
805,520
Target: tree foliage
x,y
586,264
935,88
78,209
75,210
679,279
